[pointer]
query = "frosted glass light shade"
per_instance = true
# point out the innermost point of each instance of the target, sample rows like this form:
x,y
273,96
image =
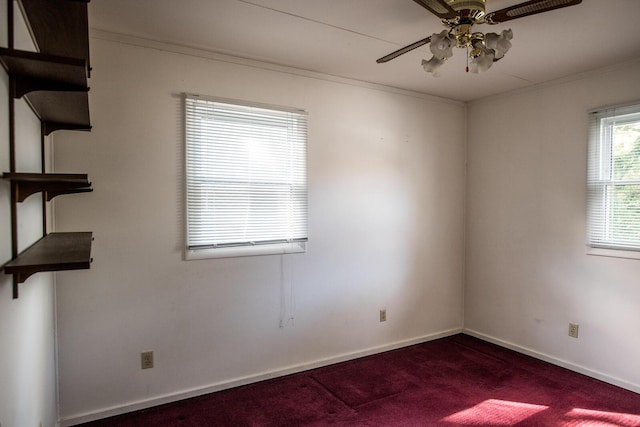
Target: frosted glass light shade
x,y
442,45
482,63
433,65
500,43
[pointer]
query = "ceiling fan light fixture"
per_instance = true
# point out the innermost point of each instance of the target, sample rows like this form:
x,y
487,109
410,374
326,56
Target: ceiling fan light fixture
x,y
485,49
459,16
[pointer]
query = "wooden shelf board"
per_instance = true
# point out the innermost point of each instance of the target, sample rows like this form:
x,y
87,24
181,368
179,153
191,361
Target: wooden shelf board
x,y
48,177
55,87
39,66
54,252
60,27
64,108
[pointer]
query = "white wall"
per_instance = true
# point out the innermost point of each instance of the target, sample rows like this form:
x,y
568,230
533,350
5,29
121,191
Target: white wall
x,y
386,177
27,356
527,272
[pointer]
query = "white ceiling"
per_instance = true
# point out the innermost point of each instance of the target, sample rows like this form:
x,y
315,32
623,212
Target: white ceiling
x,y
344,38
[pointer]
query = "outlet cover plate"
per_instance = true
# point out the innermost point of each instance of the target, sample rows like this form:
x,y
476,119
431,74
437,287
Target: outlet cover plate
x,y
573,330
146,360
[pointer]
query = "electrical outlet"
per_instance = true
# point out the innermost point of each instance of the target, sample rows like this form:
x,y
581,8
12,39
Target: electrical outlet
x,y
573,330
383,315
146,360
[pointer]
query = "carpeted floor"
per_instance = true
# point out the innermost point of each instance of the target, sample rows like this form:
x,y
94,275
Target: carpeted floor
x,y
454,381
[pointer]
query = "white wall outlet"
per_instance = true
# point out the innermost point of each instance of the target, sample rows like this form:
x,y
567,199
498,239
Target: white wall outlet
x,y
573,330
383,315
146,360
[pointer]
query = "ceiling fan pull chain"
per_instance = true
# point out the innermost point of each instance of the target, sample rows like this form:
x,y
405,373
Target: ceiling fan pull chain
x,y
467,58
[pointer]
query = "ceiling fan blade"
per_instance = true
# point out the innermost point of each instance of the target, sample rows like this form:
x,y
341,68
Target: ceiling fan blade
x,y
527,8
403,50
440,8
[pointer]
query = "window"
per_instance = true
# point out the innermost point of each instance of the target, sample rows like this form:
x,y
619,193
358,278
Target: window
x,y
614,178
246,180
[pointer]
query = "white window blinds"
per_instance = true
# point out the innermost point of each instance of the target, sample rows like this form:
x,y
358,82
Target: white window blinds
x,y
614,178
246,180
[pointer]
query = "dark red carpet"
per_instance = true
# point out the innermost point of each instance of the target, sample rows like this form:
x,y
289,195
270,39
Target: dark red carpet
x,y
454,381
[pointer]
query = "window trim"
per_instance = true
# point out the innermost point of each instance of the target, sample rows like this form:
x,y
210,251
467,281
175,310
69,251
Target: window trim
x,y
595,166
279,246
242,251
612,253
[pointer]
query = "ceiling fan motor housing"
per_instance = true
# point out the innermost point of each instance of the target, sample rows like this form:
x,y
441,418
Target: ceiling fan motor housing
x,y
459,5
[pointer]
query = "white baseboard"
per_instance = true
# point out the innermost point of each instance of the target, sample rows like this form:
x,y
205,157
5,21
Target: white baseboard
x,y
186,394
556,361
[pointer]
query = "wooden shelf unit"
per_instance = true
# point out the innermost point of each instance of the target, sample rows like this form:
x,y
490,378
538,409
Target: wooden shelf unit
x,y
53,81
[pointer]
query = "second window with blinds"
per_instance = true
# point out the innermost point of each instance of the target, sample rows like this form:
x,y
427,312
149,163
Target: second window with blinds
x,y
614,181
246,178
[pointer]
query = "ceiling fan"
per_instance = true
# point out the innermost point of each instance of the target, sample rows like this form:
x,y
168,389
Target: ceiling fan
x,y
459,16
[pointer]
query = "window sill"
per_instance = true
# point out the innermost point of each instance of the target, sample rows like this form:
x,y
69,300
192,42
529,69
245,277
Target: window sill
x,y
613,253
241,251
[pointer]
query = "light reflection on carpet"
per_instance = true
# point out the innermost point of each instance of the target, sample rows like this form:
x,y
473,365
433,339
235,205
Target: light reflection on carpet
x,y
494,412
579,417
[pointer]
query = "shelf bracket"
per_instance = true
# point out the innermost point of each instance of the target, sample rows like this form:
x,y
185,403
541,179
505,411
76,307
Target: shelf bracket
x,y
24,190
23,85
16,281
51,185
50,194
49,127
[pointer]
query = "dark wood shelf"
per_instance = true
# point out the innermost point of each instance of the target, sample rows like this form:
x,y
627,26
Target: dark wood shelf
x,y
61,110
51,184
55,87
60,27
54,252
45,71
